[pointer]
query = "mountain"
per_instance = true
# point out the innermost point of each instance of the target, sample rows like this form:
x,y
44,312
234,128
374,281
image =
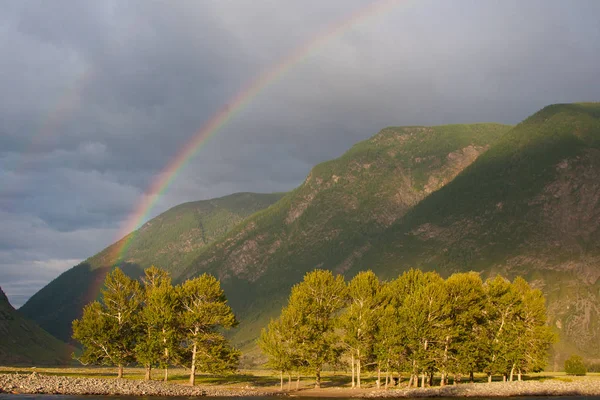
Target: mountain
x,y
25,343
341,202
170,241
329,220
529,206
522,200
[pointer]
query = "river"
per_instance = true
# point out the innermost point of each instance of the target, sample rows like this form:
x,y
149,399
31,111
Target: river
x,y
4,396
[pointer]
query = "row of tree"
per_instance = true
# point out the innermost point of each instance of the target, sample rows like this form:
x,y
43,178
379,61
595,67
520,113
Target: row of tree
x,y
155,323
418,323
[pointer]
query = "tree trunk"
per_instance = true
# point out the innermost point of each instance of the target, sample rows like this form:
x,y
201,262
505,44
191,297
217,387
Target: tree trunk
x,y
318,378
445,365
120,371
193,369
423,380
148,372
166,358
489,378
519,375
281,381
298,382
430,379
504,377
353,372
358,370
512,372
289,381
387,376
471,377
378,377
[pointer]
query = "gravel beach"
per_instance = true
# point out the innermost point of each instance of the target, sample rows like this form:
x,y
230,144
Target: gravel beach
x,y
35,383
45,384
499,389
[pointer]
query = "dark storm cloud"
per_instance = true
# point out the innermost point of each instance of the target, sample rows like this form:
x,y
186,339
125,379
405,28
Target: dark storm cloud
x,y
98,97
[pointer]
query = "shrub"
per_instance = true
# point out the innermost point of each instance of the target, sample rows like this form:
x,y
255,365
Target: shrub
x,y
574,365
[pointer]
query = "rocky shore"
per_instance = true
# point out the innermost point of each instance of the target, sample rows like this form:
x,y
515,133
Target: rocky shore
x,y
45,384
500,389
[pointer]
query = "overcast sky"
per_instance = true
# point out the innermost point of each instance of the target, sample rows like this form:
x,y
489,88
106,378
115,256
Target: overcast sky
x,y
96,97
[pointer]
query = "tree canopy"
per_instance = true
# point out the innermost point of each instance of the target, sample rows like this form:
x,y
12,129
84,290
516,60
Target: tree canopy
x,y
418,323
157,324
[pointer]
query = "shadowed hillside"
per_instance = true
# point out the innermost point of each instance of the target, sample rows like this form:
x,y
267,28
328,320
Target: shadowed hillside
x,y
22,342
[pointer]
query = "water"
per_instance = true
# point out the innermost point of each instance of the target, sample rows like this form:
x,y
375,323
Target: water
x,y
64,397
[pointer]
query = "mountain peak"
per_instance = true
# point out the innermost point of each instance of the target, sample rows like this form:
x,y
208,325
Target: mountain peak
x,y
566,112
4,300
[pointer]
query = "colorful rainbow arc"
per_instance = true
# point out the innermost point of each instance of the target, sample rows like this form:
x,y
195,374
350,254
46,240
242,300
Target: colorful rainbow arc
x,y
225,114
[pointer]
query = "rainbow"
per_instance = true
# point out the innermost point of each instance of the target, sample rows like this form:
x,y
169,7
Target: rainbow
x,y
165,178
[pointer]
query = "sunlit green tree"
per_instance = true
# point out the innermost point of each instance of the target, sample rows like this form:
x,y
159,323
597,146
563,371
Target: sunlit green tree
x,y
108,329
204,312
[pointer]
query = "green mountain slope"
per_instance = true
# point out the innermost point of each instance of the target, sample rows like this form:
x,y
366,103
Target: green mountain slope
x,y
529,206
22,342
170,241
521,200
328,221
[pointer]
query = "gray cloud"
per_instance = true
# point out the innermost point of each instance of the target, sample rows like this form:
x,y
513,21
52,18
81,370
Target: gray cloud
x,y
98,97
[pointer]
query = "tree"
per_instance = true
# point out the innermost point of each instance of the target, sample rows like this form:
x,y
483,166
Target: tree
x,y
107,330
158,337
534,337
500,312
462,348
314,303
204,311
278,342
390,335
574,365
422,315
360,320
